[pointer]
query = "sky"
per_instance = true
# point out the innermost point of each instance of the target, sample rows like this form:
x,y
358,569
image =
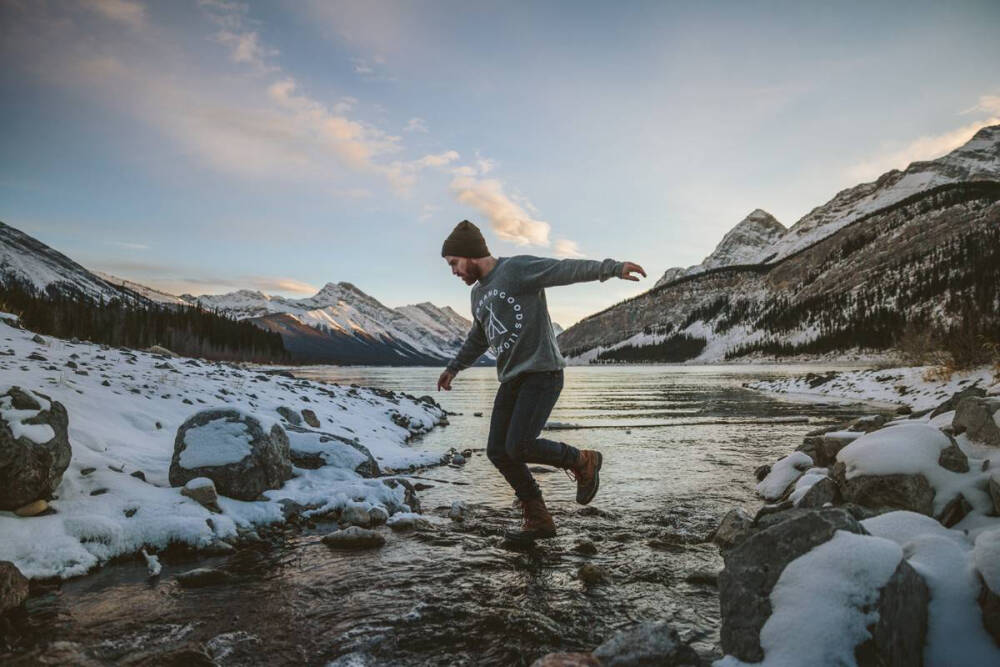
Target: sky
x,y
204,146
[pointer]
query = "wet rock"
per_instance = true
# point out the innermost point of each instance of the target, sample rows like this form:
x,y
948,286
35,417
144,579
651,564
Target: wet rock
x,y
233,450
378,516
733,529
458,511
591,574
355,515
956,510
401,522
753,566
899,633
994,489
648,643
868,423
409,492
202,490
585,547
458,459
13,586
567,660
354,538
708,577
291,416
203,576
310,418
760,472
977,418
956,398
32,463
32,509
884,493
819,494
823,449
952,458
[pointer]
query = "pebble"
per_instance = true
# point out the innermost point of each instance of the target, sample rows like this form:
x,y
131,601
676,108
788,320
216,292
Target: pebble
x,y
32,509
591,574
354,537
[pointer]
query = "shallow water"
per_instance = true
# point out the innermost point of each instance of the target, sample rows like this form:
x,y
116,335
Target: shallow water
x,y
680,445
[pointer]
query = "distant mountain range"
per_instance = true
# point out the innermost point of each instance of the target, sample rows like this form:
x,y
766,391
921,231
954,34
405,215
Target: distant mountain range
x,y
916,249
340,324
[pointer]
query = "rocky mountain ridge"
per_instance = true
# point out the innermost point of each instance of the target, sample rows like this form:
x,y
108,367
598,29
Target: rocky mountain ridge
x,y
918,248
741,244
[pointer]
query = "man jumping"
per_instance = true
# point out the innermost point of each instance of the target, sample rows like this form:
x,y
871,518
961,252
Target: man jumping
x,y
511,318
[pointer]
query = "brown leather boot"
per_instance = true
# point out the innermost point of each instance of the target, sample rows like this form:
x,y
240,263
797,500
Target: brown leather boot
x,y
537,524
586,473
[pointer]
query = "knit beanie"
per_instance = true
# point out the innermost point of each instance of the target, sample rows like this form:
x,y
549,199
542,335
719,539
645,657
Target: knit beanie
x,y
465,241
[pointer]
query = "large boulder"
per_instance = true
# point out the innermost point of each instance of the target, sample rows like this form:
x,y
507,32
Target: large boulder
x,y
232,449
753,566
747,588
956,398
648,643
34,447
885,493
13,586
823,449
986,556
979,419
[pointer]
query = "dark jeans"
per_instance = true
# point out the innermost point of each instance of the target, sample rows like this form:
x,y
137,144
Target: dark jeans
x,y
520,410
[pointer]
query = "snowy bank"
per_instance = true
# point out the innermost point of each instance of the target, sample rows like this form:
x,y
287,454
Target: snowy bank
x,y
910,386
888,553
124,409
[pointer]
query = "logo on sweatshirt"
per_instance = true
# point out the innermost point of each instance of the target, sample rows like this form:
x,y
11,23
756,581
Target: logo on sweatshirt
x,y
501,317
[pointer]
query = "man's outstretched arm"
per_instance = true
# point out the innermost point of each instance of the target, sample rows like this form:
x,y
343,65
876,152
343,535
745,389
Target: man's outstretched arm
x,y
473,347
541,272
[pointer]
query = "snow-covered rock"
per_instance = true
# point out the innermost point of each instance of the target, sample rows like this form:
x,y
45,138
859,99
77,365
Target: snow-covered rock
x,y
242,456
34,447
772,580
354,537
647,643
783,474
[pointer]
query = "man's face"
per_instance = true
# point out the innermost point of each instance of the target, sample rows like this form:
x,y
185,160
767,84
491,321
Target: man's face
x,y
464,268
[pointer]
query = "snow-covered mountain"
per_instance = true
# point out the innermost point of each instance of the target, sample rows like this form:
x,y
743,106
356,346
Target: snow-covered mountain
x,y
340,316
915,250
977,160
28,261
741,245
150,293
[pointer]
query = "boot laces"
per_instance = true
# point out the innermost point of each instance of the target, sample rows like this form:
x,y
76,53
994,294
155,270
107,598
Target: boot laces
x,y
571,473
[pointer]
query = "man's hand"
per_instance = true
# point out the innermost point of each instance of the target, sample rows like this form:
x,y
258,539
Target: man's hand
x,y
444,380
629,269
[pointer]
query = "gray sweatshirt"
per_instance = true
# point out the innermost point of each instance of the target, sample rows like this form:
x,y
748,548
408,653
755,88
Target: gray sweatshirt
x,y
511,318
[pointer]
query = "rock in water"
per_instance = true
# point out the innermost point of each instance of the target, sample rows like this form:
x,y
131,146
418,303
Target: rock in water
x,y
203,576
202,490
354,538
567,660
356,515
591,574
733,529
649,643
977,418
34,447
457,511
13,586
233,450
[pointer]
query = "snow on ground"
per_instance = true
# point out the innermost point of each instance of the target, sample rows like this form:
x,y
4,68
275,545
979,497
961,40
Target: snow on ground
x,y
124,410
902,386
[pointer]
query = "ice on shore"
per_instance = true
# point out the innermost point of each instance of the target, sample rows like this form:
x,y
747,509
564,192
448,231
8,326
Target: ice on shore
x,y
125,407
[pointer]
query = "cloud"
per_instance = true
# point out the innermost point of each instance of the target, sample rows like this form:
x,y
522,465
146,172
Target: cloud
x,y
267,283
927,147
567,248
416,125
131,14
439,160
508,219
